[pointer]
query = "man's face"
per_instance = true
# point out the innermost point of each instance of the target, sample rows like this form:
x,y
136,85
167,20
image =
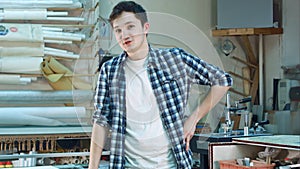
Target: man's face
x,y
129,32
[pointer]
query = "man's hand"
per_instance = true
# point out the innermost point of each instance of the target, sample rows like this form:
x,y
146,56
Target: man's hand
x,y
189,129
213,97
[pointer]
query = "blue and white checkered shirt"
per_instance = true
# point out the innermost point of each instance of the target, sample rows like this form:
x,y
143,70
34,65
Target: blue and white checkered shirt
x,y
171,73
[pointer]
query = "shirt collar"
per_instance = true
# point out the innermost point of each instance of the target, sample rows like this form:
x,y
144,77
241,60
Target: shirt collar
x,y
151,56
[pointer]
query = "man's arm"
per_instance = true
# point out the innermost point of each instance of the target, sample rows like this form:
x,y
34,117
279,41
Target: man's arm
x,y
214,96
99,135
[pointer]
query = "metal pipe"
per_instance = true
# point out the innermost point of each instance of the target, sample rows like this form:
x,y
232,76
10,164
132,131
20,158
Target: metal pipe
x,y
53,35
64,34
75,19
58,41
261,67
227,113
45,96
52,13
65,55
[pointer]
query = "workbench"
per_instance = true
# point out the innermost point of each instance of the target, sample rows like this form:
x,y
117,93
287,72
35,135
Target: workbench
x,y
250,146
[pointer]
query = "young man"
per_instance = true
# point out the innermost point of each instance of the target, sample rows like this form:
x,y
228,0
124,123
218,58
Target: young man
x,y
141,97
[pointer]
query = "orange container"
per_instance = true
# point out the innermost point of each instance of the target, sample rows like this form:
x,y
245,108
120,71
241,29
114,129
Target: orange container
x,y
232,164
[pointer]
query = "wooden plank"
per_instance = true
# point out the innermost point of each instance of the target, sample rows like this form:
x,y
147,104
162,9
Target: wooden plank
x,y
268,31
249,50
241,77
237,92
246,84
254,87
245,62
246,31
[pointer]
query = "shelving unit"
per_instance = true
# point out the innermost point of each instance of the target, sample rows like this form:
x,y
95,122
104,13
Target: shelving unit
x,y
71,30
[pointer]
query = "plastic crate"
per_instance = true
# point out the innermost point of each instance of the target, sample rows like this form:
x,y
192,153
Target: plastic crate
x,y
232,164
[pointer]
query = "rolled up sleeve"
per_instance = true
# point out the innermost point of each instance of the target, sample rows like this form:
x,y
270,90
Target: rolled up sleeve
x,y
102,100
204,73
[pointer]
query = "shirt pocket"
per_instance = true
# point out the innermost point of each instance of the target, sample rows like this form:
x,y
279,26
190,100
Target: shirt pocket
x,y
172,93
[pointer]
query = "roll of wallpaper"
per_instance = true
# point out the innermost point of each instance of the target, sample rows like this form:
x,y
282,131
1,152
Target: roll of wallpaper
x,y
22,97
21,49
28,65
28,33
41,4
36,14
47,112
38,2
42,116
25,14
14,79
22,40
62,35
60,53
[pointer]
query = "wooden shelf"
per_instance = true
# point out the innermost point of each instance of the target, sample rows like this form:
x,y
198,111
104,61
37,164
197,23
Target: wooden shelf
x,y
246,31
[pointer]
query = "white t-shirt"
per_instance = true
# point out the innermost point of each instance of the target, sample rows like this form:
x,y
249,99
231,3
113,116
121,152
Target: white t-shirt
x,y
146,141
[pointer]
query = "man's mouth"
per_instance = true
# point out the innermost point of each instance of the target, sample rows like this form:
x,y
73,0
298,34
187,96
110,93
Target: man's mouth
x,y
127,42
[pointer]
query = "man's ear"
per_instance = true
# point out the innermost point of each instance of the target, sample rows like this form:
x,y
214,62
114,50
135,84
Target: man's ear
x,y
146,27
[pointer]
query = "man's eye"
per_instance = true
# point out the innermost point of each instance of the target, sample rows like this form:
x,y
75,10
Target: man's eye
x,y
117,30
130,26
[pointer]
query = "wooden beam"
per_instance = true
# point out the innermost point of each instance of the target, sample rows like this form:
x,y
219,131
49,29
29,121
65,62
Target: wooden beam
x,y
241,77
246,74
246,31
245,62
237,92
249,50
254,87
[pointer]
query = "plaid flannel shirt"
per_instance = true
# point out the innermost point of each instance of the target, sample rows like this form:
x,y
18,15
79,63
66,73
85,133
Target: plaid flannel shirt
x,y
171,73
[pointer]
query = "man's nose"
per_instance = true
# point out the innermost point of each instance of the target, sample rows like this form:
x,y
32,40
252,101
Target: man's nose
x,y
125,34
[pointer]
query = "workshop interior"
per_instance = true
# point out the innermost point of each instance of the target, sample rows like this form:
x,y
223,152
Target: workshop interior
x,y
51,52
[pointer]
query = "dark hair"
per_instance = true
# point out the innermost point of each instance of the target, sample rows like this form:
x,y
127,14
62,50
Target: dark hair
x,y
129,6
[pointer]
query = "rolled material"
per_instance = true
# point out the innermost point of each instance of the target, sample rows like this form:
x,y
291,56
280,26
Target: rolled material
x,y
55,73
39,1
58,41
45,97
40,4
22,40
22,33
35,14
62,35
14,79
60,53
47,112
74,19
41,116
51,13
25,14
21,49
23,65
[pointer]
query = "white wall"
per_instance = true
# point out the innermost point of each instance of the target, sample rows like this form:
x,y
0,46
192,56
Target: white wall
x,y
282,50
272,63
196,11
291,36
